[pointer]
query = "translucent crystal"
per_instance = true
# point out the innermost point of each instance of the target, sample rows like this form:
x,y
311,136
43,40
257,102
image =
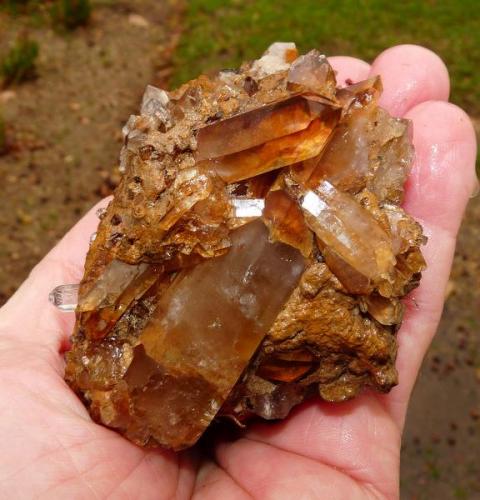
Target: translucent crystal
x,y
345,162
190,186
248,207
127,286
256,127
385,311
312,73
65,297
276,153
208,325
394,160
106,290
129,126
285,220
272,400
154,100
155,103
344,226
286,367
100,213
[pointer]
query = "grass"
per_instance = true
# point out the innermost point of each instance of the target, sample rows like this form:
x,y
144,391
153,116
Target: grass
x,y
71,14
222,33
15,6
460,493
61,14
18,65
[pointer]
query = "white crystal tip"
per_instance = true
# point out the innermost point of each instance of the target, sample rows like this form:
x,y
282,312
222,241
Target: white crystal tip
x,y
64,297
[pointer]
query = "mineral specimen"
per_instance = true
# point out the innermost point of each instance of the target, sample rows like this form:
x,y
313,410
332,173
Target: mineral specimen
x,y
254,254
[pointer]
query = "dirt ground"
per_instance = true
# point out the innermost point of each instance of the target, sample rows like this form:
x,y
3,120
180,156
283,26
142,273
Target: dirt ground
x,y
65,132
66,125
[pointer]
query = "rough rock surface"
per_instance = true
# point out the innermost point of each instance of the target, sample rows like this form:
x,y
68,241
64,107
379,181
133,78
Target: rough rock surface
x,y
255,253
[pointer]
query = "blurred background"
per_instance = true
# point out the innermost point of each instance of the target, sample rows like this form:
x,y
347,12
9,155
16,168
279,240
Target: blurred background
x,y
72,71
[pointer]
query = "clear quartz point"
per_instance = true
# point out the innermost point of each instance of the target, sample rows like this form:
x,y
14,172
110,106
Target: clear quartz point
x,y
64,297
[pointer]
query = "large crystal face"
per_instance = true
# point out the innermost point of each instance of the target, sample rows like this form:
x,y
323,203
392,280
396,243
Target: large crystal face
x,y
254,255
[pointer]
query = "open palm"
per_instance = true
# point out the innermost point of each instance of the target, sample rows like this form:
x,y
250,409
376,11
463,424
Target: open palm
x,y
52,449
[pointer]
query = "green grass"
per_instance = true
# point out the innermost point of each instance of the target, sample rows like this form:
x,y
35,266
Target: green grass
x,y
18,64
222,33
460,493
63,15
15,6
71,14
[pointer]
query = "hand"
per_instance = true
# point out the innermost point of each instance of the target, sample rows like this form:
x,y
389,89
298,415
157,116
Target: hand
x,y
52,449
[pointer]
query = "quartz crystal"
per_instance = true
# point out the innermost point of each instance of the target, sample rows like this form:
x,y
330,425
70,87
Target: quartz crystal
x,y
254,255
65,297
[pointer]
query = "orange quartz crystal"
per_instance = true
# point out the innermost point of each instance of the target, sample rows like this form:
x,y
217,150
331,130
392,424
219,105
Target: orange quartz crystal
x,y
254,254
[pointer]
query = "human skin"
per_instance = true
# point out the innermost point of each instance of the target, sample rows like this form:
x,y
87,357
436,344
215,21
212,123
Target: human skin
x,y
50,447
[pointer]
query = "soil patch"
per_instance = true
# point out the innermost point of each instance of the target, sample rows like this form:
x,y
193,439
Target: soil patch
x,y
65,127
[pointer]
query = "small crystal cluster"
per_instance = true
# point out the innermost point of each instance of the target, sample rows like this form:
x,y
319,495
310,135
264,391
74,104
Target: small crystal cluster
x,y
254,254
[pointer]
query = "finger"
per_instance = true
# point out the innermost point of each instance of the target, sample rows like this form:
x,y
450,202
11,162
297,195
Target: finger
x,y
440,184
443,176
410,75
41,322
349,69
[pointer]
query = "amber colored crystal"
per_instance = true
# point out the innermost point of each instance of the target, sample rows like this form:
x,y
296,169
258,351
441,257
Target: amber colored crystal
x,y
276,153
98,320
208,325
256,127
116,278
312,73
341,224
254,254
286,367
286,222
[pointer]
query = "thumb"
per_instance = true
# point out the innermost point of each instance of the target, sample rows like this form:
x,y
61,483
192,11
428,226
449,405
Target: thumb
x,y
28,313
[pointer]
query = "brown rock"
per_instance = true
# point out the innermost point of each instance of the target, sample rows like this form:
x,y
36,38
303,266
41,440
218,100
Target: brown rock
x,y
254,254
